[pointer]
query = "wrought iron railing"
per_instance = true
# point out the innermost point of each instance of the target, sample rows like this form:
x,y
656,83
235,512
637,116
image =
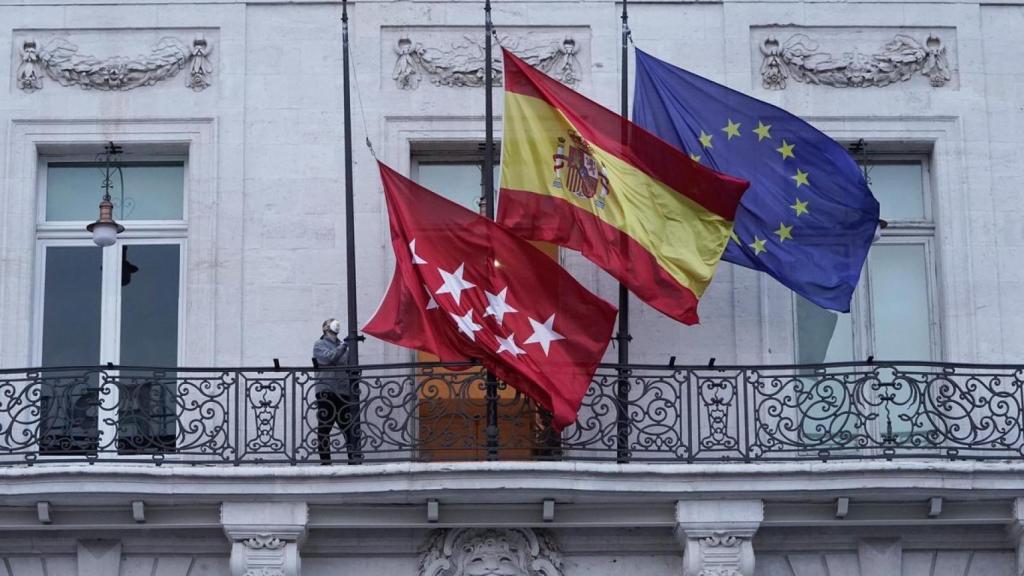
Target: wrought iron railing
x,y
429,412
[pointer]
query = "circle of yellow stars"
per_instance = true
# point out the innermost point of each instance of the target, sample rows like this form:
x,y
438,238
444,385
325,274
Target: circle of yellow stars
x,y
786,152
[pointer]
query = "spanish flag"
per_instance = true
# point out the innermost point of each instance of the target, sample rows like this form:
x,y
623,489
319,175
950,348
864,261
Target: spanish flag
x,y
579,175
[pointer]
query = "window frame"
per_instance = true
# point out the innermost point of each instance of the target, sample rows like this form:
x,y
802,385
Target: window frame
x,y
137,228
138,232
898,232
73,233
453,153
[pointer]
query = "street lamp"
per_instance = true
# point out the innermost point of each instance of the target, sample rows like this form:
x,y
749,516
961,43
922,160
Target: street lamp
x,y
105,229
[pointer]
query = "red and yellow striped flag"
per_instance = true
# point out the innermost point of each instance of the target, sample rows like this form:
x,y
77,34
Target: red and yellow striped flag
x,y
576,174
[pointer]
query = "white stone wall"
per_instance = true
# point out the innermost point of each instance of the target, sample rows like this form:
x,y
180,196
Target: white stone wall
x,y
266,250
916,563
267,253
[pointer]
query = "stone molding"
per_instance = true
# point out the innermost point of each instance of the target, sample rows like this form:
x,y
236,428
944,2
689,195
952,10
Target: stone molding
x,y
717,536
530,480
899,58
265,537
62,61
452,59
195,137
506,551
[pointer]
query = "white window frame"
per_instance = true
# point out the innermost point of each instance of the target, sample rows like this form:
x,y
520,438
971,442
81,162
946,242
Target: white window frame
x,y
137,232
453,152
133,228
906,232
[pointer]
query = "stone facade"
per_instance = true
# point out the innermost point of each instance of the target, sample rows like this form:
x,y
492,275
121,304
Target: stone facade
x,y
252,91
261,83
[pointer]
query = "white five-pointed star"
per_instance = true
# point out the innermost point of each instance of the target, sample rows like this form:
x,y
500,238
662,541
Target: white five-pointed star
x,y
466,324
431,304
497,306
509,345
415,257
543,334
453,283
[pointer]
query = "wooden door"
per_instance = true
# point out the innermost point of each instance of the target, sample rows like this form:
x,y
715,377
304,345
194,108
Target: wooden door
x,y
452,412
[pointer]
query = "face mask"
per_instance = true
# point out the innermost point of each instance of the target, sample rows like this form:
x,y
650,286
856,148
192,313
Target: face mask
x,y
335,327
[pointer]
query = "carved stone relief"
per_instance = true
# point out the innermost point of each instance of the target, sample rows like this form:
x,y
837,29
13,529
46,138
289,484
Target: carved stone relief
x,y
898,56
718,553
453,60
264,537
490,552
63,61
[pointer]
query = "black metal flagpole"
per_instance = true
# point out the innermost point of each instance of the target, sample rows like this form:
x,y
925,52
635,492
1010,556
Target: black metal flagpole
x,y
623,337
488,173
350,232
353,337
488,201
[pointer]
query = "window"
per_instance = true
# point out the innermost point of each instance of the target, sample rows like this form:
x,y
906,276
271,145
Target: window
x,y
455,171
120,304
892,316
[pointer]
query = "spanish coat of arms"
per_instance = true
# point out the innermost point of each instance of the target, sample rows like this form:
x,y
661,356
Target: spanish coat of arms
x,y
579,172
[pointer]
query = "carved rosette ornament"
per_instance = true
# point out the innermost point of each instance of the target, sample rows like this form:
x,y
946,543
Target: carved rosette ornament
x,y
490,552
61,61
263,542
898,60
462,63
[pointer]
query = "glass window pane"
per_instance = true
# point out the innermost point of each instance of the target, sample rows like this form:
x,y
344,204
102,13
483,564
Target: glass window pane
x,y
822,335
71,306
460,183
899,189
147,410
149,305
151,192
71,337
899,301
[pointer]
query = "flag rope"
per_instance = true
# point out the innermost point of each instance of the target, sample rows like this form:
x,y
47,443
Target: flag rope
x,y
362,111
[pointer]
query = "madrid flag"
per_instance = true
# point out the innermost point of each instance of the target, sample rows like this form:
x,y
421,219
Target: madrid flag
x,y
464,287
577,174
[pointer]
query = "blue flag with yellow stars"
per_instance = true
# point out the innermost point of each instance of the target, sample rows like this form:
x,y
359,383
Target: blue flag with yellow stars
x,y
808,217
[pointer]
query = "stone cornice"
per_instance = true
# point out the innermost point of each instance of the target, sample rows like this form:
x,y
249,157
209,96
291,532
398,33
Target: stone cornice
x,y
402,482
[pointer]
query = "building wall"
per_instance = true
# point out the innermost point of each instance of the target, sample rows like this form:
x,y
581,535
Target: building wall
x,y
266,250
267,223
643,551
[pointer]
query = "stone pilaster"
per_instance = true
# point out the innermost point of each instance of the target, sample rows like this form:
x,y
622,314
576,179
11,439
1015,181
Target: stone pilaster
x,y
265,537
716,536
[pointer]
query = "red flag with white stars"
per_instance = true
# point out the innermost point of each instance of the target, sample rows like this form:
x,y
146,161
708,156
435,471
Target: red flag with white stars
x,y
464,287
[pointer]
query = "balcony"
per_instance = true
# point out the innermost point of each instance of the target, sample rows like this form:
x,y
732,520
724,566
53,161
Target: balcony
x,y
431,412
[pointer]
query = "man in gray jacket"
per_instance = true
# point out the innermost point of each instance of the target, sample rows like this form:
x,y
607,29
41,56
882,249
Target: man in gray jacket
x,y
335,402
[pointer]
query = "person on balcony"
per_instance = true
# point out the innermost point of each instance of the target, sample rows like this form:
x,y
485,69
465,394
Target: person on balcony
x,y
335,401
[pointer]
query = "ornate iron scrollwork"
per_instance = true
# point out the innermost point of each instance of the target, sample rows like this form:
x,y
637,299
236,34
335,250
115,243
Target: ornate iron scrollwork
x,y
425,412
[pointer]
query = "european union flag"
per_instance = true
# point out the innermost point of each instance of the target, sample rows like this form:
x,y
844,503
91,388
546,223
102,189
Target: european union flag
x,y
808,217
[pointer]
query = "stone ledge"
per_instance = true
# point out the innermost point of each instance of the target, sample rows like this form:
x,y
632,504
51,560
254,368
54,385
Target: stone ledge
x,y
400,482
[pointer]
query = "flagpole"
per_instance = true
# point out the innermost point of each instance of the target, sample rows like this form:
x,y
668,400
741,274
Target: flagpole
x,y
353,337
350,232
623,337
488,202
488,173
